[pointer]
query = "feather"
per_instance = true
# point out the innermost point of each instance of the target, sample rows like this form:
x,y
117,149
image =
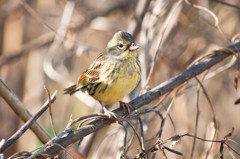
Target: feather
x,y
72,89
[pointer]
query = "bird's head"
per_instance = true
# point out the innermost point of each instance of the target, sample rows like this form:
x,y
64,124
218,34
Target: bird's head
x,y
122,46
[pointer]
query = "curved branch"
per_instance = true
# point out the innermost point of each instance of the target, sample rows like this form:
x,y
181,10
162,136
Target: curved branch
x,y
72,136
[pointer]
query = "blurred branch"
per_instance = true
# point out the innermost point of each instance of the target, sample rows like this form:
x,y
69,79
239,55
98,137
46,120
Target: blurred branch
x,y
72,136
214,121
215,18
196,120
159,42
135,25
111,7
39,41
134,28
30,122
60,34
228,4
22,112
48,68
36,15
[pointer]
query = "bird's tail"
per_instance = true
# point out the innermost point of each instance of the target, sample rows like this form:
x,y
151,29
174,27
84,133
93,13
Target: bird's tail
x,y
72,89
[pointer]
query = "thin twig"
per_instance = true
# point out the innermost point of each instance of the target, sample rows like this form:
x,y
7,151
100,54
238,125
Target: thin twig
x,y
159,145
46,156
173,151
168,109
87,117
165,108
23,154
142,133
205,140
197,113
216,141
232,149
138,137
125,141
212,113
171,120
137,114
196,121
50,111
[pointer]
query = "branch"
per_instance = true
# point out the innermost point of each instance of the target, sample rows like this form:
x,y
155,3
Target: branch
x,y
29,123
72,136
18,107
39,41
135,25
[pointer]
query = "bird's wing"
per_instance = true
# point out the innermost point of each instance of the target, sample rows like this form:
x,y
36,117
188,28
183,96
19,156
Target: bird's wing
x,y
91,75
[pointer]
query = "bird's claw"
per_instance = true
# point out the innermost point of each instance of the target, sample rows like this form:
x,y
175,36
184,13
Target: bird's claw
x,y
126,106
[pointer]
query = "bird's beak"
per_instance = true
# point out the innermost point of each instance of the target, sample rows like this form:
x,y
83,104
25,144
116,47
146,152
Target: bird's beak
x,y
133,47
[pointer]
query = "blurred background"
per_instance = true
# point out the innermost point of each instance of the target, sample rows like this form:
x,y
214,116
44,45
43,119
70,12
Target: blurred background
x,y
171,34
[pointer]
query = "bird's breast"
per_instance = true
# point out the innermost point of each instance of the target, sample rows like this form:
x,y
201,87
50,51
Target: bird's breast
x,y
121,79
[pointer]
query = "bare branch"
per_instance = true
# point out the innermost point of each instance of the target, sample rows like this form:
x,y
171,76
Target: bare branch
x,y
18,107
26,126
50,111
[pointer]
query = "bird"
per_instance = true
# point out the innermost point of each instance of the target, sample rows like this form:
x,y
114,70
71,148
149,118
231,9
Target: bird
x,y
113,74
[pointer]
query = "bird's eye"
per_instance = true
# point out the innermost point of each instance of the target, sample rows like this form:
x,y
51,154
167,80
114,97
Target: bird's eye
x,y
121,45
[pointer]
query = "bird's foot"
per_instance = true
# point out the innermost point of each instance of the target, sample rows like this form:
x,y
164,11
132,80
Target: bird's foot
x,y
110,114
126,106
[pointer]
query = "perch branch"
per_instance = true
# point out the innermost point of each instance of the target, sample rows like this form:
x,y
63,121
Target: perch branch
x,y
73,136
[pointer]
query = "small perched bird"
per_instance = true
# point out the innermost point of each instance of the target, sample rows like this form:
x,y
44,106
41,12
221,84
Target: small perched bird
x,y
113,75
